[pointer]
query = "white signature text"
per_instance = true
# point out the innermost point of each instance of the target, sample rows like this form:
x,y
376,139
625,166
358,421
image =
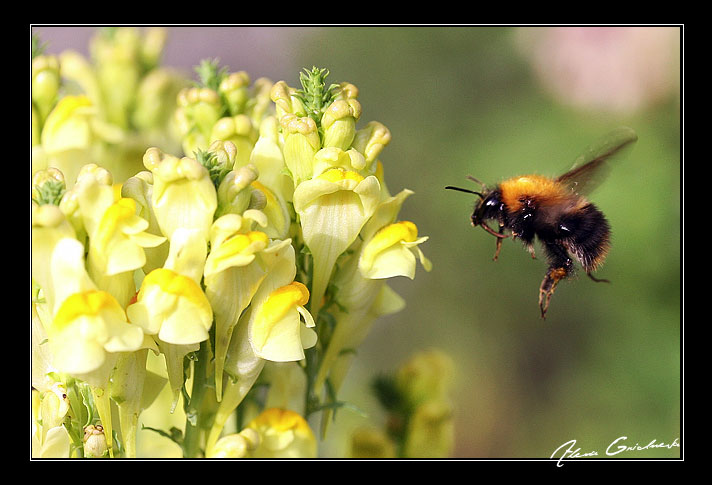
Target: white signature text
x,y
619,445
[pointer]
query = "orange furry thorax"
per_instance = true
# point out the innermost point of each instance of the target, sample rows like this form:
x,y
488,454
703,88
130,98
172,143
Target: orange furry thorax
x,y
543,190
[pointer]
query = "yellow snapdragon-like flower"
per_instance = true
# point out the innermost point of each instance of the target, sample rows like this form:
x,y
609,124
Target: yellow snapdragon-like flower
x,y
173,307
86,327
121,237
183,194
277,333
268,159
283,434
392,252
333,207
49,438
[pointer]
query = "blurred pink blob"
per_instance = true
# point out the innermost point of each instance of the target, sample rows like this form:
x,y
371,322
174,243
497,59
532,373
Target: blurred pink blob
x,y
619,69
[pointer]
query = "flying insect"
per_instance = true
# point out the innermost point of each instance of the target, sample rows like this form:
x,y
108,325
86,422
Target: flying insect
x,y
556,211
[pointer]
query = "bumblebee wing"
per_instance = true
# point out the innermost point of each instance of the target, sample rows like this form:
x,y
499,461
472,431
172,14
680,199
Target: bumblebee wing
x,y
592,166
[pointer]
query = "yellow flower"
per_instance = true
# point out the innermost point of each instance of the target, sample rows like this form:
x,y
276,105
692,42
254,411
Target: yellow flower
x,y
173,307
268,159
49,438
333,207
392,252
283,434
87,326
183,194
276,333
121,237
235,445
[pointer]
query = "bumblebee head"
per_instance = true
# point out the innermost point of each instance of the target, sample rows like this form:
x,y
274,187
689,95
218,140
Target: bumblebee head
x,y
488,207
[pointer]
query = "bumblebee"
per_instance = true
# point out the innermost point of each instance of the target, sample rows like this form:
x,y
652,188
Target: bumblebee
x,y
556,212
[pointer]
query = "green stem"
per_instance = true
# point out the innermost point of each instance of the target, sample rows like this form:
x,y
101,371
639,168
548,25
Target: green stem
x,y
191,442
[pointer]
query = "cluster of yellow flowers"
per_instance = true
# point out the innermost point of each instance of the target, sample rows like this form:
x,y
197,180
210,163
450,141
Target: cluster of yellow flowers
x,y
269,239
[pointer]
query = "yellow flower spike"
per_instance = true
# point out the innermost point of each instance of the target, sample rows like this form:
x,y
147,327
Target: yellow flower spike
x,y
183,194
392,251
333,208
276,333
173,307
283,434
301,142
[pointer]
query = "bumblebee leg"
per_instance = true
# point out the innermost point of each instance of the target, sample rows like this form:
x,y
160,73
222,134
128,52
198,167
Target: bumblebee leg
x,y
597,280
560,265
499,243
548,286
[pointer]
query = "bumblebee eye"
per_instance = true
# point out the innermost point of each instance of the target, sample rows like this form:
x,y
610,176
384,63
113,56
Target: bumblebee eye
x,y
491,202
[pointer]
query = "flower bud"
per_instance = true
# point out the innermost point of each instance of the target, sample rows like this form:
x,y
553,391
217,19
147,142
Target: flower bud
x,y
371,140
285,100
238,130
339,123
301,142
197,112
236,194
427,375
95,442
234,90
45,83
431,431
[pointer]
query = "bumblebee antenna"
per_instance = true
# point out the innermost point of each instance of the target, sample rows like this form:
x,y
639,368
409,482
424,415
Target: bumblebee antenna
x,y
470,177
450,187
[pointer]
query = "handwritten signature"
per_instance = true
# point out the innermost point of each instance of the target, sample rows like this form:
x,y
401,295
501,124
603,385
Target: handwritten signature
x,y
617,446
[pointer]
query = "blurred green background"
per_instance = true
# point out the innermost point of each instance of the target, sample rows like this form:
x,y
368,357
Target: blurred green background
x,y
495,102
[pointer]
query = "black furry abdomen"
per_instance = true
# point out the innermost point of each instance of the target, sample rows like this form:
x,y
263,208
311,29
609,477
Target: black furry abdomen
x,y
586,235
